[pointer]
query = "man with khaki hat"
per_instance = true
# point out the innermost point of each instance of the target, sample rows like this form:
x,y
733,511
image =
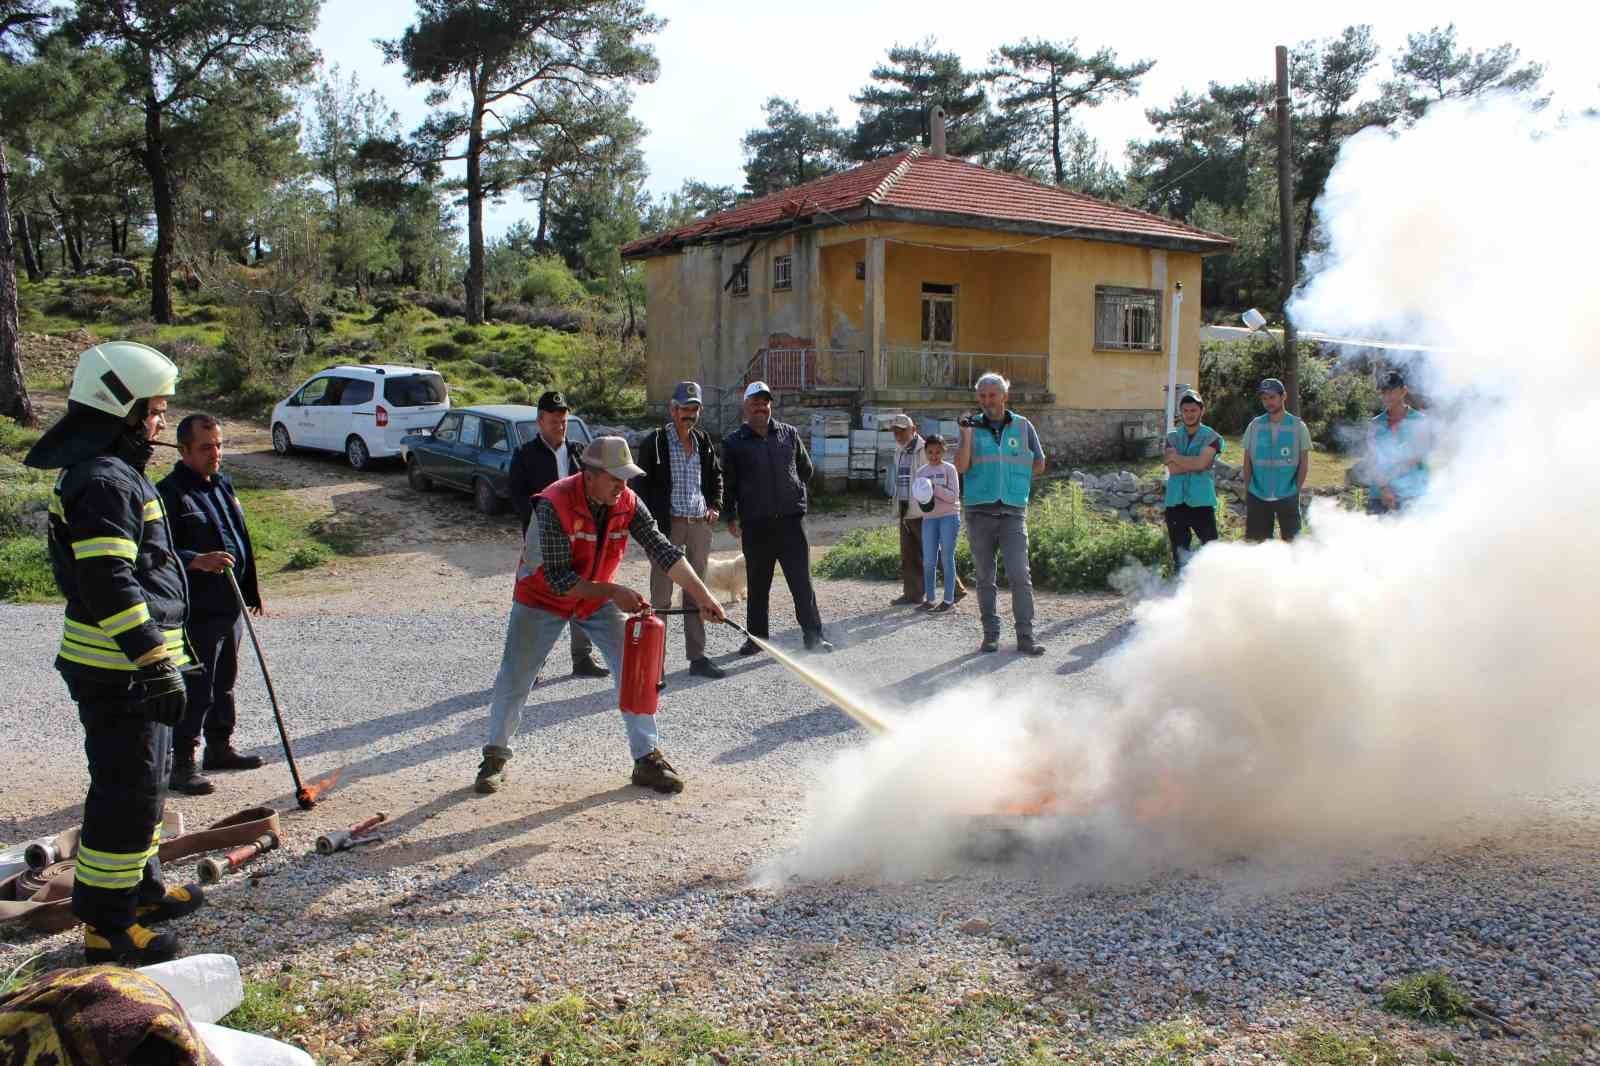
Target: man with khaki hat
x,y
570,556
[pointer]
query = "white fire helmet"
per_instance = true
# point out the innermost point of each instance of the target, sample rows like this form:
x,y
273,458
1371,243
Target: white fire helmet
x,y
922,491
113,376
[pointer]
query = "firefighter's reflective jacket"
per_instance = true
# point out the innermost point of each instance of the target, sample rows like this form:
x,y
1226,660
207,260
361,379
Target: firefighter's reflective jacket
x,y
112,553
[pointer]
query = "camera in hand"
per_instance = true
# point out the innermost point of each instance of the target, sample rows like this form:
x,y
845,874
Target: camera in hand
x,y
972,421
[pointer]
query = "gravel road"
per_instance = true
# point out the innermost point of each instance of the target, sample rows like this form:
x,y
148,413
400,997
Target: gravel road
x,y
572,880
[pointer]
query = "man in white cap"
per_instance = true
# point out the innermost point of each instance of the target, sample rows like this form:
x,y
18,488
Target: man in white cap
x,y
765,469
909,457
574,546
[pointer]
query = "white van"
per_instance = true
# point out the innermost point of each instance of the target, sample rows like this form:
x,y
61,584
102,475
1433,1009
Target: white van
x,y
362,411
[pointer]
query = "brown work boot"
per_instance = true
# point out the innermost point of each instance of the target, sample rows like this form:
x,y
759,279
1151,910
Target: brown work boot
x,y
186,779
654,771
226,758
133,946
491,774
175,904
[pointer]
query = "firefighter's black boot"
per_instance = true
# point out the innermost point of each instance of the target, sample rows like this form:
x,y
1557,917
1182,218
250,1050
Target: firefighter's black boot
x,y
133,946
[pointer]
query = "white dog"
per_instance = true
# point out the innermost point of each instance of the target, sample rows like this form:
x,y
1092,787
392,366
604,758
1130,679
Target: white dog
x,y
726,577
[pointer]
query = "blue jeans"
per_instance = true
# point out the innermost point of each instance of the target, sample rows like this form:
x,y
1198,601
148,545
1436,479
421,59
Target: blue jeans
x,y
530,635
939,545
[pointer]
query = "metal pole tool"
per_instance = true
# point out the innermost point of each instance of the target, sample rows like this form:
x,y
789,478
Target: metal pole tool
x,y
305,797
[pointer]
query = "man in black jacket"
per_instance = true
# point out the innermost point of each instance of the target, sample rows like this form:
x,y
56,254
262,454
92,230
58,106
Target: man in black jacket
x,y
210,535
682,486
765,471
537,465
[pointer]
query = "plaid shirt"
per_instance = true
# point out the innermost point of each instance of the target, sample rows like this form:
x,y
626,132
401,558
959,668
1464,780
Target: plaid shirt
x,y
687,499
555,547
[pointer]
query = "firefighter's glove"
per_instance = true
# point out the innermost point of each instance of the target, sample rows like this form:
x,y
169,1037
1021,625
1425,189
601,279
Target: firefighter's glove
x,y
158,693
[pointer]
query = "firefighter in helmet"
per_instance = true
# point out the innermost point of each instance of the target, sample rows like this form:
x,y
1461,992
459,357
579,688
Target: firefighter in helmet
x,y
123,647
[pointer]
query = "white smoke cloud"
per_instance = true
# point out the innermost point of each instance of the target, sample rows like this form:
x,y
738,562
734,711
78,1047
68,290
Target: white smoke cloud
x,y
1377,677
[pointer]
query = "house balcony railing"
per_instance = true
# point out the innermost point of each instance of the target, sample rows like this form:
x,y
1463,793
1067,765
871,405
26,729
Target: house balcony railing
x,y
936,368
807,369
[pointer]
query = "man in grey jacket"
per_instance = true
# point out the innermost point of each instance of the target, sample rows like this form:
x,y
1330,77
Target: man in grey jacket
x,y
765,469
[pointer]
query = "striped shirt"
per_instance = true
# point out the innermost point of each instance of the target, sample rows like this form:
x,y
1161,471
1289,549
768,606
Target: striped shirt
x,y
555,547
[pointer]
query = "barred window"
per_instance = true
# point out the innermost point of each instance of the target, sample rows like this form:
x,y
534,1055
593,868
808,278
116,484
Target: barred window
x,y
741,279
1127,320
781,271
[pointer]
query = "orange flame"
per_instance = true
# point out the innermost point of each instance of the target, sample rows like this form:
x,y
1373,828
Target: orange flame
x,y
307,797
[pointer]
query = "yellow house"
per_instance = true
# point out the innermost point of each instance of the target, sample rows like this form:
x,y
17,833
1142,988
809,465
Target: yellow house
x,y
899,282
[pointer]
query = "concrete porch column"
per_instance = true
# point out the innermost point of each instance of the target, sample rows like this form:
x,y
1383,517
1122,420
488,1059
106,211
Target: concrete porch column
x,y
874,318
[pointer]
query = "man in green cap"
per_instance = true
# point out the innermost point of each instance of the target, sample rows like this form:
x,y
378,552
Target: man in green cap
x,y
1277,457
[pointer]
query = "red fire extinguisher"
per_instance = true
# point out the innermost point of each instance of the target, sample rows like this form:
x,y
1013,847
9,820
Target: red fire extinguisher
x,y
644,639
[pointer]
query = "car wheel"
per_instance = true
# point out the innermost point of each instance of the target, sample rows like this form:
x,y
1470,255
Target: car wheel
x,y
355,450
483,492
419,481
280,439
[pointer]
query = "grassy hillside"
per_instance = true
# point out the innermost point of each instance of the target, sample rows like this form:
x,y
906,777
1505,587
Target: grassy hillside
x,y
232,362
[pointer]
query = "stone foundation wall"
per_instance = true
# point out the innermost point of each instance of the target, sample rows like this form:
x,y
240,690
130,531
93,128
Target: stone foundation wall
x,y
1069,436
1076,436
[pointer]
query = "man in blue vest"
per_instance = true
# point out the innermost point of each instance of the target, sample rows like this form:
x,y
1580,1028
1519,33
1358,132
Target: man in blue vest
x,y
1277,457
1191,504
1398,440
999,457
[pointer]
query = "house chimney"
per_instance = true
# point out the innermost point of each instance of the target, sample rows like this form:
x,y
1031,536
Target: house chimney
x,y
938,131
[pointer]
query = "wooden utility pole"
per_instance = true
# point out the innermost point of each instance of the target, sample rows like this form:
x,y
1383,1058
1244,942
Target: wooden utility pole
x,y
1291,355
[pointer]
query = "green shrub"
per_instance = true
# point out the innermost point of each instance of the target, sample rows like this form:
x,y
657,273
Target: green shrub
x,y
443,351
548,283
396,336
1430,996
525,363
25,571
465,335
1071,546
1331,396
390,304
306,557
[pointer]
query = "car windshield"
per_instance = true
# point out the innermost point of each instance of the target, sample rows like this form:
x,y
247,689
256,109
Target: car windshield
x,y
527,431
414,390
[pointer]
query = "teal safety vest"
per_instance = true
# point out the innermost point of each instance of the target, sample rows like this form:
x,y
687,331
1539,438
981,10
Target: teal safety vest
x,y
1198,489
1002,470
1274,458
1399,455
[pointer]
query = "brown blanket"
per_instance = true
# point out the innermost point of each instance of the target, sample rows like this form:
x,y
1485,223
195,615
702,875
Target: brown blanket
x,y
96,1016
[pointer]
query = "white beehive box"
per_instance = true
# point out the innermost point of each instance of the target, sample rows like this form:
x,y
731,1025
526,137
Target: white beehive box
x,y
875,417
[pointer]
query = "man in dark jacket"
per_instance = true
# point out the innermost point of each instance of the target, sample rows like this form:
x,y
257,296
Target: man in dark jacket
x,y
765,471
122,645
682,486
537,465
210,534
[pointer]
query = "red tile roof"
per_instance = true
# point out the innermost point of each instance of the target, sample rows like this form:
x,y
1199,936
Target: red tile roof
x,y
915,186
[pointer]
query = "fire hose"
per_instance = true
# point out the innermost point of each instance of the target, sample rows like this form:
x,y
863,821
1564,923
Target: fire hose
x,y
42,897
211,870
345,839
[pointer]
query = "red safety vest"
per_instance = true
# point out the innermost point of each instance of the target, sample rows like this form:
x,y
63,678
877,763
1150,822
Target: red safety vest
x,y
596,554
